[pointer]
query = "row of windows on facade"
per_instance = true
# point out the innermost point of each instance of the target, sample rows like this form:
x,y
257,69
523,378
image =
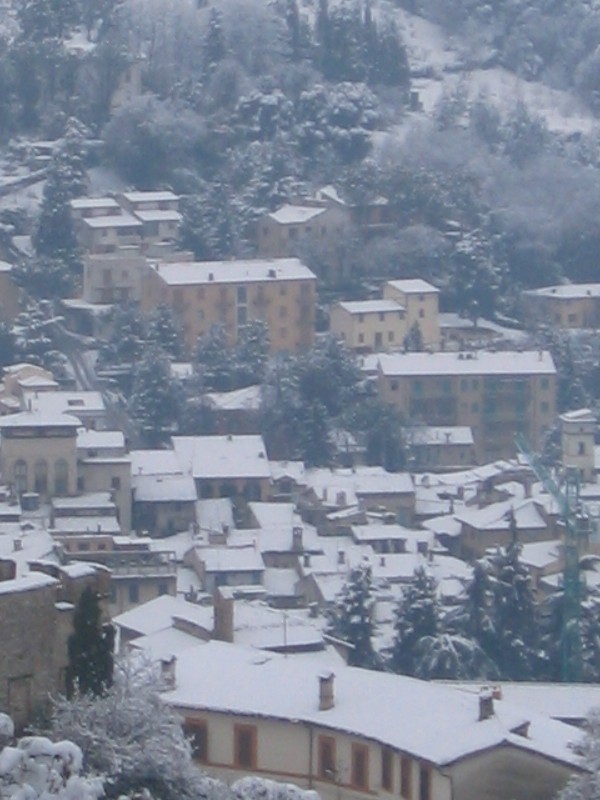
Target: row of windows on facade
x,y
241,293
133,591
514,388
245,756
41,476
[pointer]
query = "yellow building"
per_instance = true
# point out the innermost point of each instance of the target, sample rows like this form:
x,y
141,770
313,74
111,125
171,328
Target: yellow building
x,y
360,733
281,292
421,303
571,305
38,453
369,325
495,394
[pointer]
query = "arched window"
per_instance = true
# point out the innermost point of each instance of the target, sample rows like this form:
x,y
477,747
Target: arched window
x,y
20,472
40,477
61,477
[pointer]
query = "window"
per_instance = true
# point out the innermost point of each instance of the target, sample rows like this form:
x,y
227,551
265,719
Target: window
x,y
361,338
390,336
544,407
134,593
241,294
245,746
115,483
200,315
421,313
394,386
381,317
200,294
40,477
424,783
360,766
545,383
20,472
61,477
327,758
283,312
387,769
406,777
197,733
163,588
283,290
580,448
361,317
475,383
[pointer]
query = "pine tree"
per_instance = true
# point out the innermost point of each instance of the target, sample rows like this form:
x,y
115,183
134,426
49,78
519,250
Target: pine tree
x,y
126,341
90,648
352,617
213,49
449,656
156,402
214,363
477,620
413,341
513,615
163,332
252,353
417,616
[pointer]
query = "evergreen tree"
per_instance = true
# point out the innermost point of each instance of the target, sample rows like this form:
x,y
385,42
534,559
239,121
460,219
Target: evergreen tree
x,y
477,619
7,345
213,49
90,648
417,617
43,277
214,362
126,341
44,19
162,331
413,341
513,615
252,353
156,401
312,426
34,343
449,656
352,617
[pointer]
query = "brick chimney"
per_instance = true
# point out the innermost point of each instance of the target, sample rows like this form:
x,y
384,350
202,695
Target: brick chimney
x,y
326,694
223,611
486,703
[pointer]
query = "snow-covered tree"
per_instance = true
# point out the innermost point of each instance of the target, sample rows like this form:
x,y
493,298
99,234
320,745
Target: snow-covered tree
x,y
586,784
90,648
156,400
214,362
252,353
452,657
513,614
162,331
129,736
351,619
126,341
417,617
33,342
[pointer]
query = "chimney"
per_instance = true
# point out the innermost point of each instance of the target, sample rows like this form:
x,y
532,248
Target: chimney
x,y
326,697
486,703
167,671
223,610
297,538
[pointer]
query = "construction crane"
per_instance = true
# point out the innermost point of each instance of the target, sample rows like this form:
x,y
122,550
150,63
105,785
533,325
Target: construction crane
x,y
576,528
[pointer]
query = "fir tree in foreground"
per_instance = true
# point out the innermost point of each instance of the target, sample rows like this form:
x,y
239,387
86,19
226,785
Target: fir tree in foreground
x,y
351,619
90,648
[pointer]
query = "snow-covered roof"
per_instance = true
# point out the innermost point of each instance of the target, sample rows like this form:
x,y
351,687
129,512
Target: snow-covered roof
x,y
112,221
192,273
5,266
210,457
231,559
158,215
275,515
163,488
27,583
296,215
154,462
100,440
414,286
86,501
497,516
215,514
482,362
158,615
440,725
92,524
436,435
567,291
246,399
371,307
151,197
541,554
330,485
64,402
29,419
294,470
94,202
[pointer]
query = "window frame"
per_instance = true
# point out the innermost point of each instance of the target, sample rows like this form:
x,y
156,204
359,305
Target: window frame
x,y
326,764
241,730
359,770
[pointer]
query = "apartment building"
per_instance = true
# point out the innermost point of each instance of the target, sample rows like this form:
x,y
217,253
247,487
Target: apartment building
x,y
281,292
570,305
383,325
495,394
282,232
360,733
421,301
368,326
